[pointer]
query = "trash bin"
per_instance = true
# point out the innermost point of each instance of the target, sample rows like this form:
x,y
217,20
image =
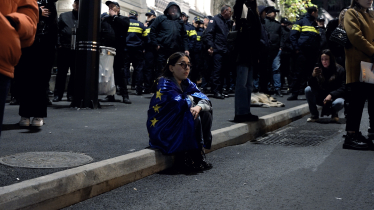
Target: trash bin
x,y
106,74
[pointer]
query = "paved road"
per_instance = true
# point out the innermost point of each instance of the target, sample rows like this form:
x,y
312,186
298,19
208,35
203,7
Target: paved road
x,y
262,175
112,131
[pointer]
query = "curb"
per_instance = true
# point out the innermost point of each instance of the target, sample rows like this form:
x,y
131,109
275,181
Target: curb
x,y
64,188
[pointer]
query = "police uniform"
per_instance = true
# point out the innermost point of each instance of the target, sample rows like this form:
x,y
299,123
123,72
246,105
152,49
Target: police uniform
x,y
195,52
150,58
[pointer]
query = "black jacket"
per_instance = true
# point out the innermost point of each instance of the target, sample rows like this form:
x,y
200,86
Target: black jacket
x,y
136,35
168,33
192,36
305,35
323,42
148,45
216,34
66,22
114,31
335,88
285,43
199,44
274,28
47,29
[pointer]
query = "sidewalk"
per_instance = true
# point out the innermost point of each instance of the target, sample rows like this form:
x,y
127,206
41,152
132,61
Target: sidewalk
x,y
115,130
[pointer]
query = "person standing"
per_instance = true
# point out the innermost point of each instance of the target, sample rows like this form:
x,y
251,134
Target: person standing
x,y
359,24
17,30
168,35
305,41
216,37
150,54
196,52
113,34
322,33
34,68
134,50
66,56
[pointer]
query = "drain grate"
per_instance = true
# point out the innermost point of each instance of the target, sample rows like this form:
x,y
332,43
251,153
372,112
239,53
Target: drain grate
x,y
304,135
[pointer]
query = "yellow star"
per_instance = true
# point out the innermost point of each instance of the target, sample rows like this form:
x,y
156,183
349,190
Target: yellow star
x,y
159,94
156,108
154,121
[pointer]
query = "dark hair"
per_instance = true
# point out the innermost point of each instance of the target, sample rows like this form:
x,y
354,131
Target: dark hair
x,y
333,65
224,8
166,73
310,10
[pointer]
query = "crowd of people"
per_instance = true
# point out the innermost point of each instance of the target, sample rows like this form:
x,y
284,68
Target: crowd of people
x,y
228,55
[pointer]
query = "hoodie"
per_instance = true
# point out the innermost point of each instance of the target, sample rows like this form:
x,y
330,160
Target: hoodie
x,y
169,32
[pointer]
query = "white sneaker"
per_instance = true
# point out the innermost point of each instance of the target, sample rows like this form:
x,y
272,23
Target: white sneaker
x,y
25,121
335,119
38,122
312,119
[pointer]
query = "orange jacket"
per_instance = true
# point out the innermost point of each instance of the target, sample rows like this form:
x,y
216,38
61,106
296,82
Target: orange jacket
x,y
25,13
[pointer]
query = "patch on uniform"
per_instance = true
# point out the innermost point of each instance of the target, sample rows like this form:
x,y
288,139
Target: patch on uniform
x,y
211,21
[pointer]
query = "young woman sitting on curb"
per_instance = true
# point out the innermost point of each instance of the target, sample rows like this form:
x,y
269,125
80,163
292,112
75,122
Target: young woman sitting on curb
x,y
326,87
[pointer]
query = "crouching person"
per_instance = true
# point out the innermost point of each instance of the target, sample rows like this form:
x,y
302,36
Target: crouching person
x,y
180,116
326,88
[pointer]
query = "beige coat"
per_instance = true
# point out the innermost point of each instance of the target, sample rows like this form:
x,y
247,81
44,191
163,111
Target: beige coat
x,y
25,14
360,31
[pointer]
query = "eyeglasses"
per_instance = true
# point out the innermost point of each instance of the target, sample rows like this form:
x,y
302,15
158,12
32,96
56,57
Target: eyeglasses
x,y
184,65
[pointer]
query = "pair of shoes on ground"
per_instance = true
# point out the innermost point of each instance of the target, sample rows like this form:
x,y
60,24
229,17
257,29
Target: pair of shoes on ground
x,y
245,118
334,118
292,98
218,96
357,141
278,93
36,122
111,98
57,99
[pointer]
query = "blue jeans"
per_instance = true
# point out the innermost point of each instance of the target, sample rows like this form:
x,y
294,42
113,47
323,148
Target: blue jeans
x,y
276,71
311,97
243,90
4,89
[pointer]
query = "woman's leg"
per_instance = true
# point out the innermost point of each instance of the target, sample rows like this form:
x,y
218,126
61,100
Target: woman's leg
x,y
242,103
356,97
311,98
370,88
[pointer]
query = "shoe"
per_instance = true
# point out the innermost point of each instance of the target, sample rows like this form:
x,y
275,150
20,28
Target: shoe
x,y
25,121
139,93
56,99
218,96
252,118
50,93
245,118
37,122
334,117
125,98
355,141
13,101
109,98
278,93
70,98
49,103
292,98
146,91
133,87
312,119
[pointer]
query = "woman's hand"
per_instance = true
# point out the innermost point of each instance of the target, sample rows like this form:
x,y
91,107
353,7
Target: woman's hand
x,y
316,72
195,111
45,12
327,99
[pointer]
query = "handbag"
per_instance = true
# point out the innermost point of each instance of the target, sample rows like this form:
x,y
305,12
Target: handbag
x,y
340,37
366,75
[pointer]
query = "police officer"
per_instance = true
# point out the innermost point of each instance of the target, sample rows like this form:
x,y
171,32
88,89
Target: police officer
x,y
168,35
207,66
191,32
66,56
135,41
114,29
216,37
196,52
305,41
150,54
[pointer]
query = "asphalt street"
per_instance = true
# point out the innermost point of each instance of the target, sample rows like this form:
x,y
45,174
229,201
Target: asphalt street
x,y
114,130
266,174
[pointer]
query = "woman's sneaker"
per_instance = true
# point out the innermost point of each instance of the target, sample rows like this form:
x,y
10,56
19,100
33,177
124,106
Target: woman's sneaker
x,y
355,141
312,119
37,122
25,121
335,118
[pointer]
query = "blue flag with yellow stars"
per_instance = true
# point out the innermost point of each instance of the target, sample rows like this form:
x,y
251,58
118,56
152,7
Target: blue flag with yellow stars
x,y
170,123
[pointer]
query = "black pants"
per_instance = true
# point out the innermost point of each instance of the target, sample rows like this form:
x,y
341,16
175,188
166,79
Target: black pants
x,y
196,62
136,57
121,73
262,73
65,60
357,94
203,126
220,71
163,55
34,69
305,62
206,70
285,67
149,69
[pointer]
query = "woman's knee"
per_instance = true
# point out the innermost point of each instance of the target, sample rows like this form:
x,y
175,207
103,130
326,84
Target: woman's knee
x,y
308,90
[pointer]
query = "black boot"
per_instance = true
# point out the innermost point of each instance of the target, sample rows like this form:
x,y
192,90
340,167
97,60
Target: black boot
x,y
125,98
292,98
355,141
278,93
109,98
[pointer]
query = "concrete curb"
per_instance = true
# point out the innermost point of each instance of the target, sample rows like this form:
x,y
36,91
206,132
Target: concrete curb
x,y
74,185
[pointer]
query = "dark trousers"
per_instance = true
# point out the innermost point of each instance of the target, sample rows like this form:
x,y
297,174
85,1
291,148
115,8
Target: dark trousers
x,y
65,60
206,70
203,126
121,73
34,69
196,67
163,55
220,71
357,94
136,57
305,62
4,89
262,75
149,69
285,67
